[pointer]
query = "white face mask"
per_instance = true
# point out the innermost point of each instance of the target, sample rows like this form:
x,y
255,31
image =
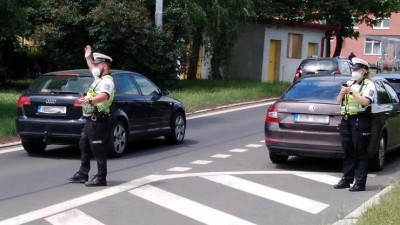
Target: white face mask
x,y
356,75
96,73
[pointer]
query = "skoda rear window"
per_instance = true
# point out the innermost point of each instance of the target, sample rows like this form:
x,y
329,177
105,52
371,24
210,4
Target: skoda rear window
x,y
60,84
314,90
316,65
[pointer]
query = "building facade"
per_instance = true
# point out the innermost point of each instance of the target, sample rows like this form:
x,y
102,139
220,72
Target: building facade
x,y
272,54
380,43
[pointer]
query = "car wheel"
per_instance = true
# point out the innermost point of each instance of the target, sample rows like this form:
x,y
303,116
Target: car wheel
x,y
178,128
378,160
36,146
278,159
118,140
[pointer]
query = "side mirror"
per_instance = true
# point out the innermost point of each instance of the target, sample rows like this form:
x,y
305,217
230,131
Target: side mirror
x,y
164,92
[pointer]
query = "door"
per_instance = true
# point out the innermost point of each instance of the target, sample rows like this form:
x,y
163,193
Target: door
x,y
159,109
274,62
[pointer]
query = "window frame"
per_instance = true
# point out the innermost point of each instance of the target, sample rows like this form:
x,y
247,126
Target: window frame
x,y
294,46
380,25
372,43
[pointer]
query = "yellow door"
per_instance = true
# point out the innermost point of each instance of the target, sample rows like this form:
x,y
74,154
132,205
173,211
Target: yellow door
x,y
271,62
312,49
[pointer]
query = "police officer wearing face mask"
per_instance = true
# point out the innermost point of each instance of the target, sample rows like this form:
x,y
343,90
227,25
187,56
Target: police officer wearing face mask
x,y
96,110
355,100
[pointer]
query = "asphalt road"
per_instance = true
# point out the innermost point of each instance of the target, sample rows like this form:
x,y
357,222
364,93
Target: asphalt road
x,y
220,175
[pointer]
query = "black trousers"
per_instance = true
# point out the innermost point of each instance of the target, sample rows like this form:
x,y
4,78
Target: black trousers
x,y
94,141
355,133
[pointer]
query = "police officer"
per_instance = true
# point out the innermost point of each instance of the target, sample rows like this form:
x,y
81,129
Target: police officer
x,y
355,100
96,110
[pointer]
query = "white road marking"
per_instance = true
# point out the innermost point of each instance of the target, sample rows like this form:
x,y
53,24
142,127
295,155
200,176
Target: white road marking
x,y
276,195
262,141
323,178
186,207
201,162
179,169
254,145
110,191
73,217
238,150
221,156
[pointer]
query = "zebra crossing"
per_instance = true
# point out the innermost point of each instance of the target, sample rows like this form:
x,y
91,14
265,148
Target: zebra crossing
x,y
69,212
72,211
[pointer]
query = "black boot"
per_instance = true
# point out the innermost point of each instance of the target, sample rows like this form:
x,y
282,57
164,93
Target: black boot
x,y
343,183
357,187
78,177
96,181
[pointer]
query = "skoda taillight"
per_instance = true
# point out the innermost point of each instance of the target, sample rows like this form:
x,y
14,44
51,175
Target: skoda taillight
x,y
272,115
297,75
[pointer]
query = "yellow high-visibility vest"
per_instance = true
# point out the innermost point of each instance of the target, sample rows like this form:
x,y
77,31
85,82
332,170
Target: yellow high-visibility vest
x,y
349,105
102,107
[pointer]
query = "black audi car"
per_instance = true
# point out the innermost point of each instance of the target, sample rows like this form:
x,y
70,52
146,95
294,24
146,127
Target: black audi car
x,y
49,111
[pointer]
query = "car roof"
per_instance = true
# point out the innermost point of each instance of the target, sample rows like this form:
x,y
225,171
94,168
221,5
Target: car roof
x,y
388,75
341,77
83,72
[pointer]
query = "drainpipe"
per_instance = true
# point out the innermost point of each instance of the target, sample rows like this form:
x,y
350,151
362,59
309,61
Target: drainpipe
x,y
158,14
322,46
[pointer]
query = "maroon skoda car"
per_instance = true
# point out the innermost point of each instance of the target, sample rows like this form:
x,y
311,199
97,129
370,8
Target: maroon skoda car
x,y
304,121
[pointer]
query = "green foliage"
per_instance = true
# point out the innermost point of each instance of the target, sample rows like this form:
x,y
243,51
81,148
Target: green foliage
x,y
213,24
124,30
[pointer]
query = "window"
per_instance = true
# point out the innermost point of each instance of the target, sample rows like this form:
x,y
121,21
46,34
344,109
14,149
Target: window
x,y
344,67
382,23
383,97
355,23
392,93
146,86
372,47
294,46
125,85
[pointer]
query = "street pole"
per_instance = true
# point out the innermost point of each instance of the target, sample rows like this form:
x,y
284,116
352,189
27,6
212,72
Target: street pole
x,y
159,13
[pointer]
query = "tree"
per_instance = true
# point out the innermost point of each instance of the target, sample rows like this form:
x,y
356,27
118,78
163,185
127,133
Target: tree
x,y
125,30
213,24
13,26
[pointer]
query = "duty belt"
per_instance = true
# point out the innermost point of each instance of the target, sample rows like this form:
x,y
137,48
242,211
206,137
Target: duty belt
x,y
98,116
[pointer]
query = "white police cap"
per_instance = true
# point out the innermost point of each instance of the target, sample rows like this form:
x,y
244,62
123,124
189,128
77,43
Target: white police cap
x,y
359,63
98,58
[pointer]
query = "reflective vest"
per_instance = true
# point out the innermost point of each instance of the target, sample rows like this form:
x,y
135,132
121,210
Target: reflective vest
x,y
102,107
349,105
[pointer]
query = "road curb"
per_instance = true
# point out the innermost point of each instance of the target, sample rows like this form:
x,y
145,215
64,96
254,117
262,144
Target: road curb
x,y
10,144
354,216
221,107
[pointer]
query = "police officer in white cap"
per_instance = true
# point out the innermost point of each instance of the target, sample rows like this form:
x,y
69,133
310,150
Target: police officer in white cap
x,y
96,109
355,98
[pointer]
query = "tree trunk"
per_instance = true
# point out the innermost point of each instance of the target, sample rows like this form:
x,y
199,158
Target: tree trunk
x,y
339,44
215,69
194,58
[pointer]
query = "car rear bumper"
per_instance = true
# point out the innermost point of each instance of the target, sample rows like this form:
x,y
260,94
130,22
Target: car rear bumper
x,y
308,144
51,131
306,152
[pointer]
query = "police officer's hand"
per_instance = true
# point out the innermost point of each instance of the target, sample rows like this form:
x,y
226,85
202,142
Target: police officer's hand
x,y
345,90
83,100
88,51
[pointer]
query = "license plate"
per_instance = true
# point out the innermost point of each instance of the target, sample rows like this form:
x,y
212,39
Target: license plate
x,y
306,118
52,109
